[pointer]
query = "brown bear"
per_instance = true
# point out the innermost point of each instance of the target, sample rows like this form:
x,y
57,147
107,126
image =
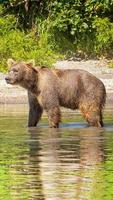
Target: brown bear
x,y
48,89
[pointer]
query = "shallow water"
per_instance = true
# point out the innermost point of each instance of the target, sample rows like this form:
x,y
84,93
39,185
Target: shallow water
x,y
73,162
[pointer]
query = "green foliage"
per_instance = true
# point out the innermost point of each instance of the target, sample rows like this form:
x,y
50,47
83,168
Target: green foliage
x,y
103,35
87,23
110,64
26,45
49,30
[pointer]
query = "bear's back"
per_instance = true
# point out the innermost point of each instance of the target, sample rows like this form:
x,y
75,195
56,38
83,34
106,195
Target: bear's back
x,y
78,75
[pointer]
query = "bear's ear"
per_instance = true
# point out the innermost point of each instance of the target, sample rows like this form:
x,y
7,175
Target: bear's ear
x,y
31,63
10,62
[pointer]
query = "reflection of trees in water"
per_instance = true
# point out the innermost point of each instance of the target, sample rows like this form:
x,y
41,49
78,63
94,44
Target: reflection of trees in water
x,y
28,184
62,164
70,163
35,181
91,158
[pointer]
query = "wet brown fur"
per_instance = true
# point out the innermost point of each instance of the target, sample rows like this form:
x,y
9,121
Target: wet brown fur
x,y
51,88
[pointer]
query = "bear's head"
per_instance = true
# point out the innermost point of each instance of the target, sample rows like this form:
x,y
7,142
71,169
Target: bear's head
x,y
19,72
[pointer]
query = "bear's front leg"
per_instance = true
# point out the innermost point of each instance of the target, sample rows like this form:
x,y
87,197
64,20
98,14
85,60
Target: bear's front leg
x,y
54,117
35,110
50,102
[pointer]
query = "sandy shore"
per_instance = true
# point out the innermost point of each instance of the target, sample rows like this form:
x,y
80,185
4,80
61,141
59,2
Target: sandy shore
x,y
17,95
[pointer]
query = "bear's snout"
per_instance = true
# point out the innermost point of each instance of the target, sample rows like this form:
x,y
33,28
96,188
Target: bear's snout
x,y
7,79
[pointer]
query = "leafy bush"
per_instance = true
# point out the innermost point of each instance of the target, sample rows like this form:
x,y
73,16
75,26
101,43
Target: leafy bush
x,y
103,36
48,30
87,23
19,45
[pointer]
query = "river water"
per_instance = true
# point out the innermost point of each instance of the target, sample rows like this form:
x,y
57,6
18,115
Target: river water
x,y
74,162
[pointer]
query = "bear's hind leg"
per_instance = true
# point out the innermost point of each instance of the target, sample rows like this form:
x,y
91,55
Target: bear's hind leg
x,y
101,119
93,119
92,115
54,116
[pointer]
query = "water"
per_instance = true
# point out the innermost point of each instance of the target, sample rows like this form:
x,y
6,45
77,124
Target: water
x,y
73,162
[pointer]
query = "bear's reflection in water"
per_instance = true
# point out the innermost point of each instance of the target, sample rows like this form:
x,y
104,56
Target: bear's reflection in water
x,y
65,163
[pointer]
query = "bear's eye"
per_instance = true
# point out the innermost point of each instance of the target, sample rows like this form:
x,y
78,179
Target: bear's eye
x,y
15,70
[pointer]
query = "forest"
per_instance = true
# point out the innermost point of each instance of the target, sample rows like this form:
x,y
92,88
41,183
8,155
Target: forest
x,y
57,29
